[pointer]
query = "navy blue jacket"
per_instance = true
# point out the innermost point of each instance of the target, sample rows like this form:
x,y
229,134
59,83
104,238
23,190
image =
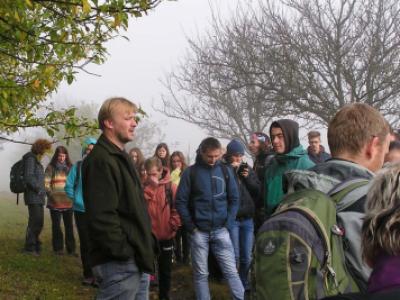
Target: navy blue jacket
x,y
204,203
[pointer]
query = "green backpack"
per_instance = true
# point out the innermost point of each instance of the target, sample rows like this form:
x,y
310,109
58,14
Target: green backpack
x,y
299,252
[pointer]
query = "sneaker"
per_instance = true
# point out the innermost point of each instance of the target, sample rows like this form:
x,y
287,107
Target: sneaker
x,y
59,252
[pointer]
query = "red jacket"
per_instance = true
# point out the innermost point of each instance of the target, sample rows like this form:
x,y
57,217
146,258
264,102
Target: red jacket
x,y
165,220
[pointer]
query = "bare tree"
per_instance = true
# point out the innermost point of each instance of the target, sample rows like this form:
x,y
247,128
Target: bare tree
x,y
220,85
296,58
331,53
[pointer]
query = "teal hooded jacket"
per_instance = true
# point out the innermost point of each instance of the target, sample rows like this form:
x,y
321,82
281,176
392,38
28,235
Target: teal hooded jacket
x,y
296,157
72,189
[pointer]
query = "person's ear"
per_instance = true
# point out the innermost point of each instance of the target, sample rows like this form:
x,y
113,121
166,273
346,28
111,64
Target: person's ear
x,y
372,147
108,123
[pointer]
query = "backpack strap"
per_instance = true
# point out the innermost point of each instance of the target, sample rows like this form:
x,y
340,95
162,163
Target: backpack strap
x,y
340,192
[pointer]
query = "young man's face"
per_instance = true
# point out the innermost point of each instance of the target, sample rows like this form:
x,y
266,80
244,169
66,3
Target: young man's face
x,y
211,156
278,140
314,144
123,124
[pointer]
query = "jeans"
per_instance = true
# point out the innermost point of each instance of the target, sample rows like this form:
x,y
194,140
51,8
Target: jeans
x,y
121,280
242,236
58,239
83,233
220,244
34,228
144,285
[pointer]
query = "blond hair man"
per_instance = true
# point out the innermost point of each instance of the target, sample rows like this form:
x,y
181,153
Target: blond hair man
x,y
121,244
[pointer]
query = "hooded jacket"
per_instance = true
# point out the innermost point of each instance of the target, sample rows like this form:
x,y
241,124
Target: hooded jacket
x,y
209,202
294,157
119,224
165,220
249,191
72,189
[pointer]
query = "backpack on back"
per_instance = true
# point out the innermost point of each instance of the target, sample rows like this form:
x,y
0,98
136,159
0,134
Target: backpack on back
x,y
17,179
299,250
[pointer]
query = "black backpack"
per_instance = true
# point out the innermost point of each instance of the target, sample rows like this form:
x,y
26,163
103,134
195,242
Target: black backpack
x,y
17,178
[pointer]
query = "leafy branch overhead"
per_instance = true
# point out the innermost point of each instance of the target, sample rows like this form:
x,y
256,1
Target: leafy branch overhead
x,y
44,42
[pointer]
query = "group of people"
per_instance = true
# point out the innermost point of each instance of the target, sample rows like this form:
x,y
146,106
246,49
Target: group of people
x,y
131,212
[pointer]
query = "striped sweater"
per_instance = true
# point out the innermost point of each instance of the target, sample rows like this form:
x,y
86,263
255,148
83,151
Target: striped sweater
x,y
54,183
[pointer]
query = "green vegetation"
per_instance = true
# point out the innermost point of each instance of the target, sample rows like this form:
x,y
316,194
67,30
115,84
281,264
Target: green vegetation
x,y
58,277
26,277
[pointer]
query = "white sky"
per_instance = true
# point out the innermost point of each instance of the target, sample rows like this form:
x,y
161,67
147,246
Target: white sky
x,y
134,68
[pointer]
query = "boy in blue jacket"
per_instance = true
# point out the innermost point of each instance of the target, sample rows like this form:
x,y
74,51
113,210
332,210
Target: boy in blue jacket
x,y
207,201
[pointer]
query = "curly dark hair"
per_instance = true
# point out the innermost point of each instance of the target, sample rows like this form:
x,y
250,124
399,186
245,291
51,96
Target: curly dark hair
x,y
165,161
40,146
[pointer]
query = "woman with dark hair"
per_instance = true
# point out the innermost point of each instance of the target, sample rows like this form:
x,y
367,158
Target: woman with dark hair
x,y
58,202
182,246
35,194
380,238
162,152
137,157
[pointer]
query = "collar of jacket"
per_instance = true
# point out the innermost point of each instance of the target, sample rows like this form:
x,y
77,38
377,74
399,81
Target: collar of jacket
x,y
115,150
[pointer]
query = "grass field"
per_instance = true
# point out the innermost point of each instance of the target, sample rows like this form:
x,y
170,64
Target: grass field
x,y
57,277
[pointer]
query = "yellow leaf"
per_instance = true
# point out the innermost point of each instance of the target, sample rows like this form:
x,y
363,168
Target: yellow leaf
x,y
117,21
49,70
36,84
50,83
86,6
16,16
29,3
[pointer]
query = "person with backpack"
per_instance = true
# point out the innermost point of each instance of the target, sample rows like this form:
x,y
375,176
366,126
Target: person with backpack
x,y
159,193
34,194
242,231
318,224
207,201
73,189
380,242
289,154
58,203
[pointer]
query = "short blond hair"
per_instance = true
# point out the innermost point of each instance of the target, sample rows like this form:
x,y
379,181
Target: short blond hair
x,y
314,134
353,126
381,228
108,108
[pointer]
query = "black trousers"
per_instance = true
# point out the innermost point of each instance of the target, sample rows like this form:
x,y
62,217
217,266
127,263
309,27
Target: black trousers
x,y
58,238
83,233
182,246
34,228
164,268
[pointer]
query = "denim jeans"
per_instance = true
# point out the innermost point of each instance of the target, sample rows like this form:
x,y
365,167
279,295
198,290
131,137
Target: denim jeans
x,y
121,280
242,236
220,244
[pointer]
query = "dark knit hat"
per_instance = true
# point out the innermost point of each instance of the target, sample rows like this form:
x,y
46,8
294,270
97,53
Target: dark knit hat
x,y
235,147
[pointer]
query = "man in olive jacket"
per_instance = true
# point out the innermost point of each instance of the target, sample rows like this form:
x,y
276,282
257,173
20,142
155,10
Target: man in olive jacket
x,y
121,243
